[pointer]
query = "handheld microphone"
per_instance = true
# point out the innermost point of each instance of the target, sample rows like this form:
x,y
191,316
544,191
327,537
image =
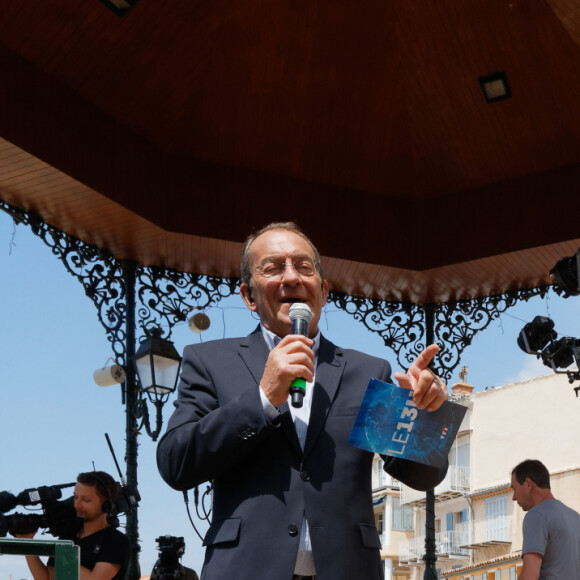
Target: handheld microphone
x,y
300,317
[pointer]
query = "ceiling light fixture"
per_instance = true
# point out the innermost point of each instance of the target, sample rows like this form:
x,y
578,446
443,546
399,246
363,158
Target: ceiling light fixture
x,y
119,7
495,87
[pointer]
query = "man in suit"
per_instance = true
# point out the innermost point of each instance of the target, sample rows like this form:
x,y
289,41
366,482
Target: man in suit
x,y
291,497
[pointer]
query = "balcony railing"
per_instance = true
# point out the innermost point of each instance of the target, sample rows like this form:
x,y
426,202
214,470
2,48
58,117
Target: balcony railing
x,y
457,543
382,479
448,545
488,532
456,483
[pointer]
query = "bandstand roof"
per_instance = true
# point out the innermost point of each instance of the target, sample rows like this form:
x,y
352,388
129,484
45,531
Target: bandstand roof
x,y
168,134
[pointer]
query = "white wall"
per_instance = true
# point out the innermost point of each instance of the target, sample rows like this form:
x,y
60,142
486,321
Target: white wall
x,y
535,419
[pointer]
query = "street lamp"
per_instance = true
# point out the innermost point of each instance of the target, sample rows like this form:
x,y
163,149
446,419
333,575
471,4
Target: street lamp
x,y
156,365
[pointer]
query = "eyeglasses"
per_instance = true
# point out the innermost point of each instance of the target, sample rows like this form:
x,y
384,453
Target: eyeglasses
x,y
303,268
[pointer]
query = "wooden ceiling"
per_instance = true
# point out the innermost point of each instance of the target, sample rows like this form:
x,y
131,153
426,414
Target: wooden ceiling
x,y
169,134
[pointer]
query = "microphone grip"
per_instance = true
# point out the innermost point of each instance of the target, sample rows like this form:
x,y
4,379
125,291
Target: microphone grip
x,y
298,386
297,392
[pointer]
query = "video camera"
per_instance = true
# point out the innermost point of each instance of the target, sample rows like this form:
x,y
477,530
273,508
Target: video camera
x,y
58,517
167,567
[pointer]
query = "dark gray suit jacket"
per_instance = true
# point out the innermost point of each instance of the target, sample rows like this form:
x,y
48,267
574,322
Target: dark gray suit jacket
x,y
263,483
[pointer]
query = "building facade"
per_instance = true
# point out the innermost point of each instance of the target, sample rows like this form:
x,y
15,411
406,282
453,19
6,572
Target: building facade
x,y
478,526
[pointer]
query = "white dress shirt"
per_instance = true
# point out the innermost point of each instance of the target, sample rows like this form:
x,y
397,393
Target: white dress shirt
x,y
300,415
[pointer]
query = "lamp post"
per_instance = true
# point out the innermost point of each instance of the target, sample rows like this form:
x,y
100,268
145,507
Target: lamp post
x,y
151,372
430,556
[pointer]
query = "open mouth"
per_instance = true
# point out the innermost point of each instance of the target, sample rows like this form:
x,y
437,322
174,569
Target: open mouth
x,y
293,300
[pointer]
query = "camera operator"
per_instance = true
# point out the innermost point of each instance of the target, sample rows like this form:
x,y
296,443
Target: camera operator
x,y
104,550
168,567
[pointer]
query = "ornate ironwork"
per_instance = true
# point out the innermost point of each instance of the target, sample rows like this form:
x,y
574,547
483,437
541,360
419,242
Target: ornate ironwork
x,y
164,296
456,323
98,271
402,326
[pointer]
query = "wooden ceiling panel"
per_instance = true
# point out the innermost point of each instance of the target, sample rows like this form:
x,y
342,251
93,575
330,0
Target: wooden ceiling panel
x,y
169,134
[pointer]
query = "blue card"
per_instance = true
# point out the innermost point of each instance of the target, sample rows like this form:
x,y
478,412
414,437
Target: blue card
x,y
389,423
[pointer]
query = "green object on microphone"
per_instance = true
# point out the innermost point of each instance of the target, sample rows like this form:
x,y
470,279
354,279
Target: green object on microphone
x,y
297,392
300,316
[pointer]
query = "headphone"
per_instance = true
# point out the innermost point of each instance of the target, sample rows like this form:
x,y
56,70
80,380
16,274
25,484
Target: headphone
x,y
107,505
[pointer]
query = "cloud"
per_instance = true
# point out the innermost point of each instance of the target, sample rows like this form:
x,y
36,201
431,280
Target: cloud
x,y
532,368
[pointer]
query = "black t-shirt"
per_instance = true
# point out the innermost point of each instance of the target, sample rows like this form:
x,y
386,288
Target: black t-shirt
x,y
107,545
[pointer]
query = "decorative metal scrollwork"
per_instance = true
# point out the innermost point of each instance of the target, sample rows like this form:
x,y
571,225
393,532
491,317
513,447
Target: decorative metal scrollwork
x,y
399,324
403,326
164,297
97,270
456,323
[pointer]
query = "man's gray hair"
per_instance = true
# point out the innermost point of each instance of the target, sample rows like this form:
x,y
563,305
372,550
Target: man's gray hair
x,y
246,267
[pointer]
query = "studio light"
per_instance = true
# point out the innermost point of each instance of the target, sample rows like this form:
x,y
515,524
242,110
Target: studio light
x,y
536,335
539,337
565,275
560,354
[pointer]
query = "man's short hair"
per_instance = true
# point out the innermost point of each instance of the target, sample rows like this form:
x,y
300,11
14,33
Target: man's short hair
x,y
246,267
533,469
104,484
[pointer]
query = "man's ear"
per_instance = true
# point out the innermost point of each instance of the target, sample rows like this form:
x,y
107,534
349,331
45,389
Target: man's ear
x,y
325,291
246,294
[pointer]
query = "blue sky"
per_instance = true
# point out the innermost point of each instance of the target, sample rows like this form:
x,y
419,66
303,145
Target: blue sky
x,y
54,416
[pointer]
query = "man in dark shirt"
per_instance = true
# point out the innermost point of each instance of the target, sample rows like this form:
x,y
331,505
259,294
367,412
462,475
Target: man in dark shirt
x,y
104,550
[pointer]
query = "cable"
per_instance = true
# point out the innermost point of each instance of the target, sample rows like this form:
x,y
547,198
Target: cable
x,y
186,500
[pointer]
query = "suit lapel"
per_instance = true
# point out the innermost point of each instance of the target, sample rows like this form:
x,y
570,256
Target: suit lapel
x,y
328,373
254,352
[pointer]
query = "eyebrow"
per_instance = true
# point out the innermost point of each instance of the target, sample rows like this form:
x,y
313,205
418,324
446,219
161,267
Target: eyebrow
x,y
283,258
